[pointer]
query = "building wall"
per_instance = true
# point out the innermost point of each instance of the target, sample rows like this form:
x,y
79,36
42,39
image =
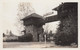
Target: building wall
x,y
35,31
29,29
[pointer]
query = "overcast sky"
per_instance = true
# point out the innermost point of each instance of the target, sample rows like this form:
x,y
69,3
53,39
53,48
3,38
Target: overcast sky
x,y
8,18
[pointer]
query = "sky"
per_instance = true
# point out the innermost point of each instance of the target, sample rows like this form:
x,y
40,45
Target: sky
x,y
9,13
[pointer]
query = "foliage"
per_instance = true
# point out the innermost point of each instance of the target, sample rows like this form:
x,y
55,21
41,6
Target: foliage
x,y
68,31
26,38
24,9
3,35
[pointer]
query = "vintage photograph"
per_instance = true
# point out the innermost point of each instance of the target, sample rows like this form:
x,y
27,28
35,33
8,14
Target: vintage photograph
x,y
40,24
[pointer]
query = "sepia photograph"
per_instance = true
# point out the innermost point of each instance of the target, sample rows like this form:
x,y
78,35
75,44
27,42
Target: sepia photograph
x,y
39,24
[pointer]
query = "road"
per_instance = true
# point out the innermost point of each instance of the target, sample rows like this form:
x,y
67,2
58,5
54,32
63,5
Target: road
x,y
32,45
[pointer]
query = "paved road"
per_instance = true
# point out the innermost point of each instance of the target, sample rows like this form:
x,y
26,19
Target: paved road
x,y
32,45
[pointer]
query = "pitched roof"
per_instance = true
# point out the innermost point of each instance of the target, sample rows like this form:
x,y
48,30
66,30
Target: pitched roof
x,y
66,5
33,15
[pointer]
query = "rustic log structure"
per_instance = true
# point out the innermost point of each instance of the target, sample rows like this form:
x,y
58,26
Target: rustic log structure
x,y
33,25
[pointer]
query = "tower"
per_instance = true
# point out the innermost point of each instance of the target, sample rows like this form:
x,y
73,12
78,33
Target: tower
x,y
33,25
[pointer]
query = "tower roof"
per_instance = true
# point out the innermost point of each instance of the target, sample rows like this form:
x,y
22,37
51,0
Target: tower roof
x,y
33,15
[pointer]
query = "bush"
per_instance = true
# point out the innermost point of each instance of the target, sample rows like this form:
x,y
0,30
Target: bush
x,y
26,38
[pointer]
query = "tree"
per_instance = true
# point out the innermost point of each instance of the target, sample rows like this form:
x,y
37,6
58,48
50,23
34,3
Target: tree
x,y
11,34
24,9
3,35
68,31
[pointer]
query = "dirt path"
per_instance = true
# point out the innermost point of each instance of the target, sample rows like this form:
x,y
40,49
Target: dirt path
x,y
33,45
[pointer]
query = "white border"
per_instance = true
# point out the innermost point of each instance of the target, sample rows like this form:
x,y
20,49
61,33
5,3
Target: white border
x,y
1,39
